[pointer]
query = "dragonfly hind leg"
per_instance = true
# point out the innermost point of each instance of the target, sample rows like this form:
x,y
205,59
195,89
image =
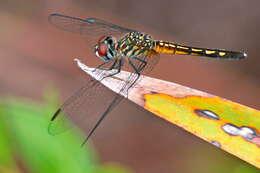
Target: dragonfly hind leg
x,y
137,71
144,63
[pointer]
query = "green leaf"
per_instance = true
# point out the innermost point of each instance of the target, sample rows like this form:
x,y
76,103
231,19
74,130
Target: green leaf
x,y
24,137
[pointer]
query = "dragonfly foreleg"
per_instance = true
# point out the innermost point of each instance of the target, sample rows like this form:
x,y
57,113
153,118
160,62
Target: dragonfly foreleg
x,y
98,67
118,69
113,66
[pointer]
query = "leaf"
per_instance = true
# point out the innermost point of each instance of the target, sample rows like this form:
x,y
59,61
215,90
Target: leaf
x,y
27,141
230,126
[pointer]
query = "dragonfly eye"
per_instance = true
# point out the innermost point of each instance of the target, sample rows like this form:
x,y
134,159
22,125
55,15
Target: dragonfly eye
x,y
105,48
102,49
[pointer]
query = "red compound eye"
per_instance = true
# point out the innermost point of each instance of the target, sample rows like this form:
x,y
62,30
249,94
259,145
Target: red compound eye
x,y
102,49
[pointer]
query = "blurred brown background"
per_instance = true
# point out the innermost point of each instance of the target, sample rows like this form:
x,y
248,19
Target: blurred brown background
x,y
35,55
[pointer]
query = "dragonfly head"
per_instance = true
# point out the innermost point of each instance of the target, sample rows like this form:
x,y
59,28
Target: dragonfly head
x,y
105,48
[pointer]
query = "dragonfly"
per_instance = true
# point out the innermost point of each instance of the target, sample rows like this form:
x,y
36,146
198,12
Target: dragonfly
x,y
119,48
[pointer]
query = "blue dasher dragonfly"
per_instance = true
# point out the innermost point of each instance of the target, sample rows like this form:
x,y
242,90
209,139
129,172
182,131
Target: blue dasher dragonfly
x,y
119,48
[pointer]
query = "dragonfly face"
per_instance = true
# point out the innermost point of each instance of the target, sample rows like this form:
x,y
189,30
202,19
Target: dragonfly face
x,y
105,49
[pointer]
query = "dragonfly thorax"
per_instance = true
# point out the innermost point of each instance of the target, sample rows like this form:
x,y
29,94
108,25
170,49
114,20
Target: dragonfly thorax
x,y
105,48
135,44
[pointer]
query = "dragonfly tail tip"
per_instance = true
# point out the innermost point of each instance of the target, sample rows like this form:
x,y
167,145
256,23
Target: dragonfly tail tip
x,y
76,59
245,55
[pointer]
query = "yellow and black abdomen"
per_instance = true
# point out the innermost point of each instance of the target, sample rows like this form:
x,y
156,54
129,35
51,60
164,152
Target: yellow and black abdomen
x,y
171,48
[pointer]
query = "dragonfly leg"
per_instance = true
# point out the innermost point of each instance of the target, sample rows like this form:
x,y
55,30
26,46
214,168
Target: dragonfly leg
x,y
106,69
134,67
118,69
137,71
110,68
144,63
98,67
113,66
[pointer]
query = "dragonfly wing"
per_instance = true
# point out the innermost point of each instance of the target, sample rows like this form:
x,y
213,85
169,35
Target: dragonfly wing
x,y
133,78
150,62
93,102
88,27
83,108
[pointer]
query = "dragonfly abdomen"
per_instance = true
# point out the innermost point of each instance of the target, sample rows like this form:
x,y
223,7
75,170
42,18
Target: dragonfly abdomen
x,y
171,48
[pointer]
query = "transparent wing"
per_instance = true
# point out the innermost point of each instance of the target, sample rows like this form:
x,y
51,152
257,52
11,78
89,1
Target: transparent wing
x,y
151,61
135,71
89,26
83,108
88,106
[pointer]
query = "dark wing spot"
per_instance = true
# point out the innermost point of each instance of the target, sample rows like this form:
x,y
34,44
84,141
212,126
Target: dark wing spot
x,y
55,114
91,20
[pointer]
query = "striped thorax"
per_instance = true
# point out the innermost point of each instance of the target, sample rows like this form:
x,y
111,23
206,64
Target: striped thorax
x,y
135,44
